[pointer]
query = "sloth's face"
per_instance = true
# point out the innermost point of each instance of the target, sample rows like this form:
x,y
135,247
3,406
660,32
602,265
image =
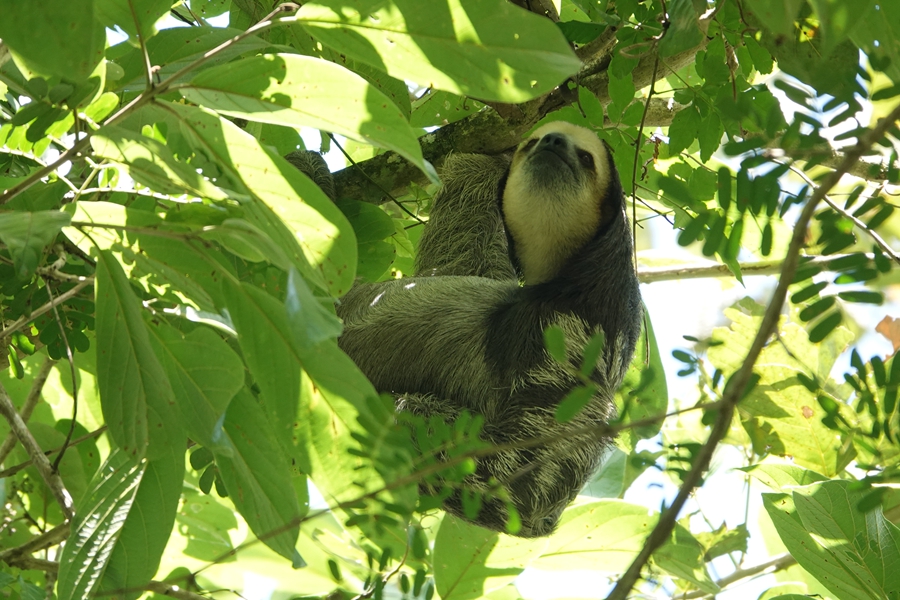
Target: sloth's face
x,y
553,199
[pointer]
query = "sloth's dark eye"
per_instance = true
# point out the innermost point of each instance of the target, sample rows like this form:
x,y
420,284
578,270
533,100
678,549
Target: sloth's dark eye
x,y
586,158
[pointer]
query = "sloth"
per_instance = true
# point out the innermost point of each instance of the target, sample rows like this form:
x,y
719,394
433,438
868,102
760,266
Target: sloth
x,y
512,247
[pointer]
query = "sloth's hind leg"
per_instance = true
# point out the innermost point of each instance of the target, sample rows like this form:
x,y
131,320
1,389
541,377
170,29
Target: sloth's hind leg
x,y
465,234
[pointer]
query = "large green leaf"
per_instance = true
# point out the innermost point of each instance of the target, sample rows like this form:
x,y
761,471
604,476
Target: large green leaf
x,y
137,400
278,198
175,48
151,163
488,49
135,17
257,477
146,531
62,38
205,374
161,265
470,561
98,524
301,91
788,415
644,392
606,535
855,555
27,233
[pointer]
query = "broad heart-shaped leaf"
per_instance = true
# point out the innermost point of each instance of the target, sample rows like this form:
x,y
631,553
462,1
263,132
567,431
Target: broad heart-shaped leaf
x,y
27,233
683,32
852,554
152,164
470,561
278,198
178,267
98,523
63,38
205,374
133,16
257,477
146,531
137,401
488,49
606,535
787,413
302,91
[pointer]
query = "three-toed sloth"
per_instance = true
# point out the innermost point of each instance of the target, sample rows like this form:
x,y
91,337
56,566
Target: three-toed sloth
x,y
465,334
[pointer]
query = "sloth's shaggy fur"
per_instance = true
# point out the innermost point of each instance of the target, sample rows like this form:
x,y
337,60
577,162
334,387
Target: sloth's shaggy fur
x,y
464,334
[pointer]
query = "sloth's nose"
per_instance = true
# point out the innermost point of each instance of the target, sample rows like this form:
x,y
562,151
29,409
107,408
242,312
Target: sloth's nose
x,y
556,141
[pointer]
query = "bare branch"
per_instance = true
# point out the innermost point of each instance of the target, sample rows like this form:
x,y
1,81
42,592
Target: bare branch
x,y
16,468
36,544
763,267
50,477
34,396
778,563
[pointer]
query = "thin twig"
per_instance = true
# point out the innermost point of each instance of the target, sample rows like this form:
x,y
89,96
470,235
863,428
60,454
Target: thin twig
x,y
34,396
50,477
16,468
71,358
372,181
779,563
36,544
885,247
172,591
763,267
737,384
24,319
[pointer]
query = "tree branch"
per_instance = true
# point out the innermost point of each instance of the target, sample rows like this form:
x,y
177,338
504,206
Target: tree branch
x,y
737,384
778,563
763,267
16,468
50,477
34,396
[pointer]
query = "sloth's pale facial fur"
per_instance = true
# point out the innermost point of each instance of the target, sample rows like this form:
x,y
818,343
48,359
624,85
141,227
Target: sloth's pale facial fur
x,y
554,196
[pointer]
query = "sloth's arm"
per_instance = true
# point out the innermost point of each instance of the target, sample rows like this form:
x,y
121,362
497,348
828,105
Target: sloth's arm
x,y
465,234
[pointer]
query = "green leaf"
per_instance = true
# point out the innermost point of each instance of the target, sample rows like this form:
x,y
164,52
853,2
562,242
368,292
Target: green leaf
x,y
777,15
780,409
487,49
262,328
247,241
137,401
710,135
97,526
683,32
311,323
850,553
470,561
838,18
779,477
555,341
828,324
256,474
63,38
313,233
205,374
574,401
644,391
137,553
151,163
27,233
301,91
370,222
135,17
684,130
861,296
